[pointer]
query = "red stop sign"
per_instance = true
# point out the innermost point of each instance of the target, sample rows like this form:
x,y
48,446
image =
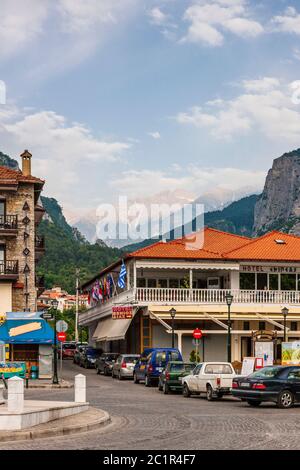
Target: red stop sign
x,y
61,336
197,334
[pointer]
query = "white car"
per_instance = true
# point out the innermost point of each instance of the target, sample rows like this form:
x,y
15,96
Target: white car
x,y
212,378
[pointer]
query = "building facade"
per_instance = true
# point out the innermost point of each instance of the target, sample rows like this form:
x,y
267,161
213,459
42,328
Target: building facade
x,y
65,301
20,247
193,276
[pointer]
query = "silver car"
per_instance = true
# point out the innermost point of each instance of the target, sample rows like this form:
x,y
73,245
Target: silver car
x,y
124,366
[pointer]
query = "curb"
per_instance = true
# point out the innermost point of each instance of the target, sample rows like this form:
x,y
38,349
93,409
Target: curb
x,y
63,384
57,430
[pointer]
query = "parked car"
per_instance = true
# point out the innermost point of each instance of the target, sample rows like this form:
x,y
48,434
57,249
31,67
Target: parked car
x,y
212,378
105,363
77,352
278,384
152,362
88,357
67,350
171,377
124,366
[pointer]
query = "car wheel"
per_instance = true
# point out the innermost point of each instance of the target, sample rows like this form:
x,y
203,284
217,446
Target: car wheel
x,y
209,393
186,391
135,379
285,399
147,381
105,372
254,402
166,389
120,376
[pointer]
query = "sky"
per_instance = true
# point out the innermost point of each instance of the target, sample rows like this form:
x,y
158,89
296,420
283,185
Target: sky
x,y
145,98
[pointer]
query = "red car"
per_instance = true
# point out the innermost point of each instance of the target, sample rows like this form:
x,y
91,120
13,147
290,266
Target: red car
x,y
68,350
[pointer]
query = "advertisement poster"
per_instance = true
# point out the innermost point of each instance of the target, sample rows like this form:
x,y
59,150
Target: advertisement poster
x,y
265,350
290,353
248,366
12,369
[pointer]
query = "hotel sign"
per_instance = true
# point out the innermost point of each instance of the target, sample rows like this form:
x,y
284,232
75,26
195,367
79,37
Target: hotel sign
x,y
270,269
122,313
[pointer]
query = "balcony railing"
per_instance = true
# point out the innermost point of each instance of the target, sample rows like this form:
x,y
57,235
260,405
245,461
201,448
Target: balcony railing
x,y
39,242
215,296
9,268
8,222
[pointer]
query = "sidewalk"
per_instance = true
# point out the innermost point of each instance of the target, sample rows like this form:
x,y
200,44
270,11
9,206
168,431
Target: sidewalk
x,y
82,422
47,384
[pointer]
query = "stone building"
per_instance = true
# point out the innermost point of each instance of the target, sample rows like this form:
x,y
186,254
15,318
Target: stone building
x,y
20,247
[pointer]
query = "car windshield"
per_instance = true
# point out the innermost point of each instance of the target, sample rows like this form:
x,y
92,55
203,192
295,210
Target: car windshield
x,y
69,346
266,372
174,356
181,367
93,352
131,359
112,357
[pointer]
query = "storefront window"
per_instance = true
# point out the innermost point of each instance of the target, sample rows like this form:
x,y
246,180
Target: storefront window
x,y
273,282
163,283
247,281
173,283
151,282
141,282
288,282
262,281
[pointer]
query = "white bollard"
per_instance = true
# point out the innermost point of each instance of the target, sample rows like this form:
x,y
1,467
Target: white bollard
x,y
80,388
15,395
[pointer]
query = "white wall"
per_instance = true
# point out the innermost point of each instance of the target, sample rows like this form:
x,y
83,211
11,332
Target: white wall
x,y
160,338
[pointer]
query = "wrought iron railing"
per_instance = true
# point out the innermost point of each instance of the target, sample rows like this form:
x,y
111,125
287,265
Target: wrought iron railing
x,y
8,222
9,268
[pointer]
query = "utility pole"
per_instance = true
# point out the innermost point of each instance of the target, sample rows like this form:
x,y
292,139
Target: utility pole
x,y
77,304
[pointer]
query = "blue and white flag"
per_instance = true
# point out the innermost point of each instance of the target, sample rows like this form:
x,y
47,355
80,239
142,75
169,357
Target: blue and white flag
x,y
122,276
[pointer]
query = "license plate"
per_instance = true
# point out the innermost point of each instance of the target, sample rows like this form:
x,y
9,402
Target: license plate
x,y
245,384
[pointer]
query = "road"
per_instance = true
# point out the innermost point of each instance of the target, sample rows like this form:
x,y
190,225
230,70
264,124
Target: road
x,y
143,418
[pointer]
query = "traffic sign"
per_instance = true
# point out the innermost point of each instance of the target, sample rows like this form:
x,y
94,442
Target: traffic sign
x,y
47,316
61,337
196,342
61,326
197,334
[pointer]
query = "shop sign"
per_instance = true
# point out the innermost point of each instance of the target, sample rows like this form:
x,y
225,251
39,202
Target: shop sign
x,y
12,369
290,353
122,312
270,269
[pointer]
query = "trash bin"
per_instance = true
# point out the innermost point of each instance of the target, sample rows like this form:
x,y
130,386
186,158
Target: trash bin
x,y
34,372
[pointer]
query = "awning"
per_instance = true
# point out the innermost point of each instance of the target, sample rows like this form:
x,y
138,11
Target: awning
x,y
111,330
23,331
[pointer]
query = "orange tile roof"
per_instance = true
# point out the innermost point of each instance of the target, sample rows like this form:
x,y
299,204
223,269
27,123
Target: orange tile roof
x,y
266,248
9,176
207,244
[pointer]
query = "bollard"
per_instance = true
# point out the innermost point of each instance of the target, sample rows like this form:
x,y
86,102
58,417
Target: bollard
x,y
15,395
80,388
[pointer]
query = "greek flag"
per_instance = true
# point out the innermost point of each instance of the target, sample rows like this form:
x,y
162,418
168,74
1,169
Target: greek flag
x,y
122,276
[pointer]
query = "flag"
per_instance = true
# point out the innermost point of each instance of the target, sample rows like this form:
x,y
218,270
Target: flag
x,y
122,276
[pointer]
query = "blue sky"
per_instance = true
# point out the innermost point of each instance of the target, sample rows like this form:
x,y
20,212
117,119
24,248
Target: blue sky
x,y
149,97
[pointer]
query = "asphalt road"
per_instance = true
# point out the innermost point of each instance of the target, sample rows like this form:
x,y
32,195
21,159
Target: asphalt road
x,y
144,418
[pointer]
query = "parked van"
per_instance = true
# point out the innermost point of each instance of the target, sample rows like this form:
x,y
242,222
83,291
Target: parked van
x,y
152,362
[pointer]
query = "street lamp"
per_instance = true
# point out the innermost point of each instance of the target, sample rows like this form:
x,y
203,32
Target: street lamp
x,y
173,314
54,304
284,312
229,299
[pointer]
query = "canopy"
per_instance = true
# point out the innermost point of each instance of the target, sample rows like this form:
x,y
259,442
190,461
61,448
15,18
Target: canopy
x,y
111,330
31,329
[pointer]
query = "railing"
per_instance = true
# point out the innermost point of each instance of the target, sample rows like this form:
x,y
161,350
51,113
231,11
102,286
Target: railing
x,y
8,268
39,242
215,296
8,222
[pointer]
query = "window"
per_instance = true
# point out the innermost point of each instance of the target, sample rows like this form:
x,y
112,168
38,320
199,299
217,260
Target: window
x,y
288,282
197,369
266,372
173,283
174,356
218,369
151,283
294,374
262,281
273,281
261,325
161,357
141,282
2,253
246,325
294,326
247,281
163,283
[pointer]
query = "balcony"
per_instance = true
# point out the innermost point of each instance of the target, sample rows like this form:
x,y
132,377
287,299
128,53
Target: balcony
x,y
214,296
9,270
39,247
8,225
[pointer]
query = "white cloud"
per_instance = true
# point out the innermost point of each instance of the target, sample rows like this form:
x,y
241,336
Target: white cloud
x,y
289,22
155,135
62,151
209,20
21,23
266,106
157,16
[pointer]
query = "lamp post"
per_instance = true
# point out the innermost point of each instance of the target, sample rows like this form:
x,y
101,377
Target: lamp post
x,y
55,376
284,312
229,299
173,314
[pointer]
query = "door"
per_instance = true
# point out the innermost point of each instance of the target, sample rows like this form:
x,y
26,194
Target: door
x,y
194,379
45,361
213,283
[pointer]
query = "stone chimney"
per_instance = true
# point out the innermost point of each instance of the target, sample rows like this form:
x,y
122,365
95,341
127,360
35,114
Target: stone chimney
x,y
26,163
